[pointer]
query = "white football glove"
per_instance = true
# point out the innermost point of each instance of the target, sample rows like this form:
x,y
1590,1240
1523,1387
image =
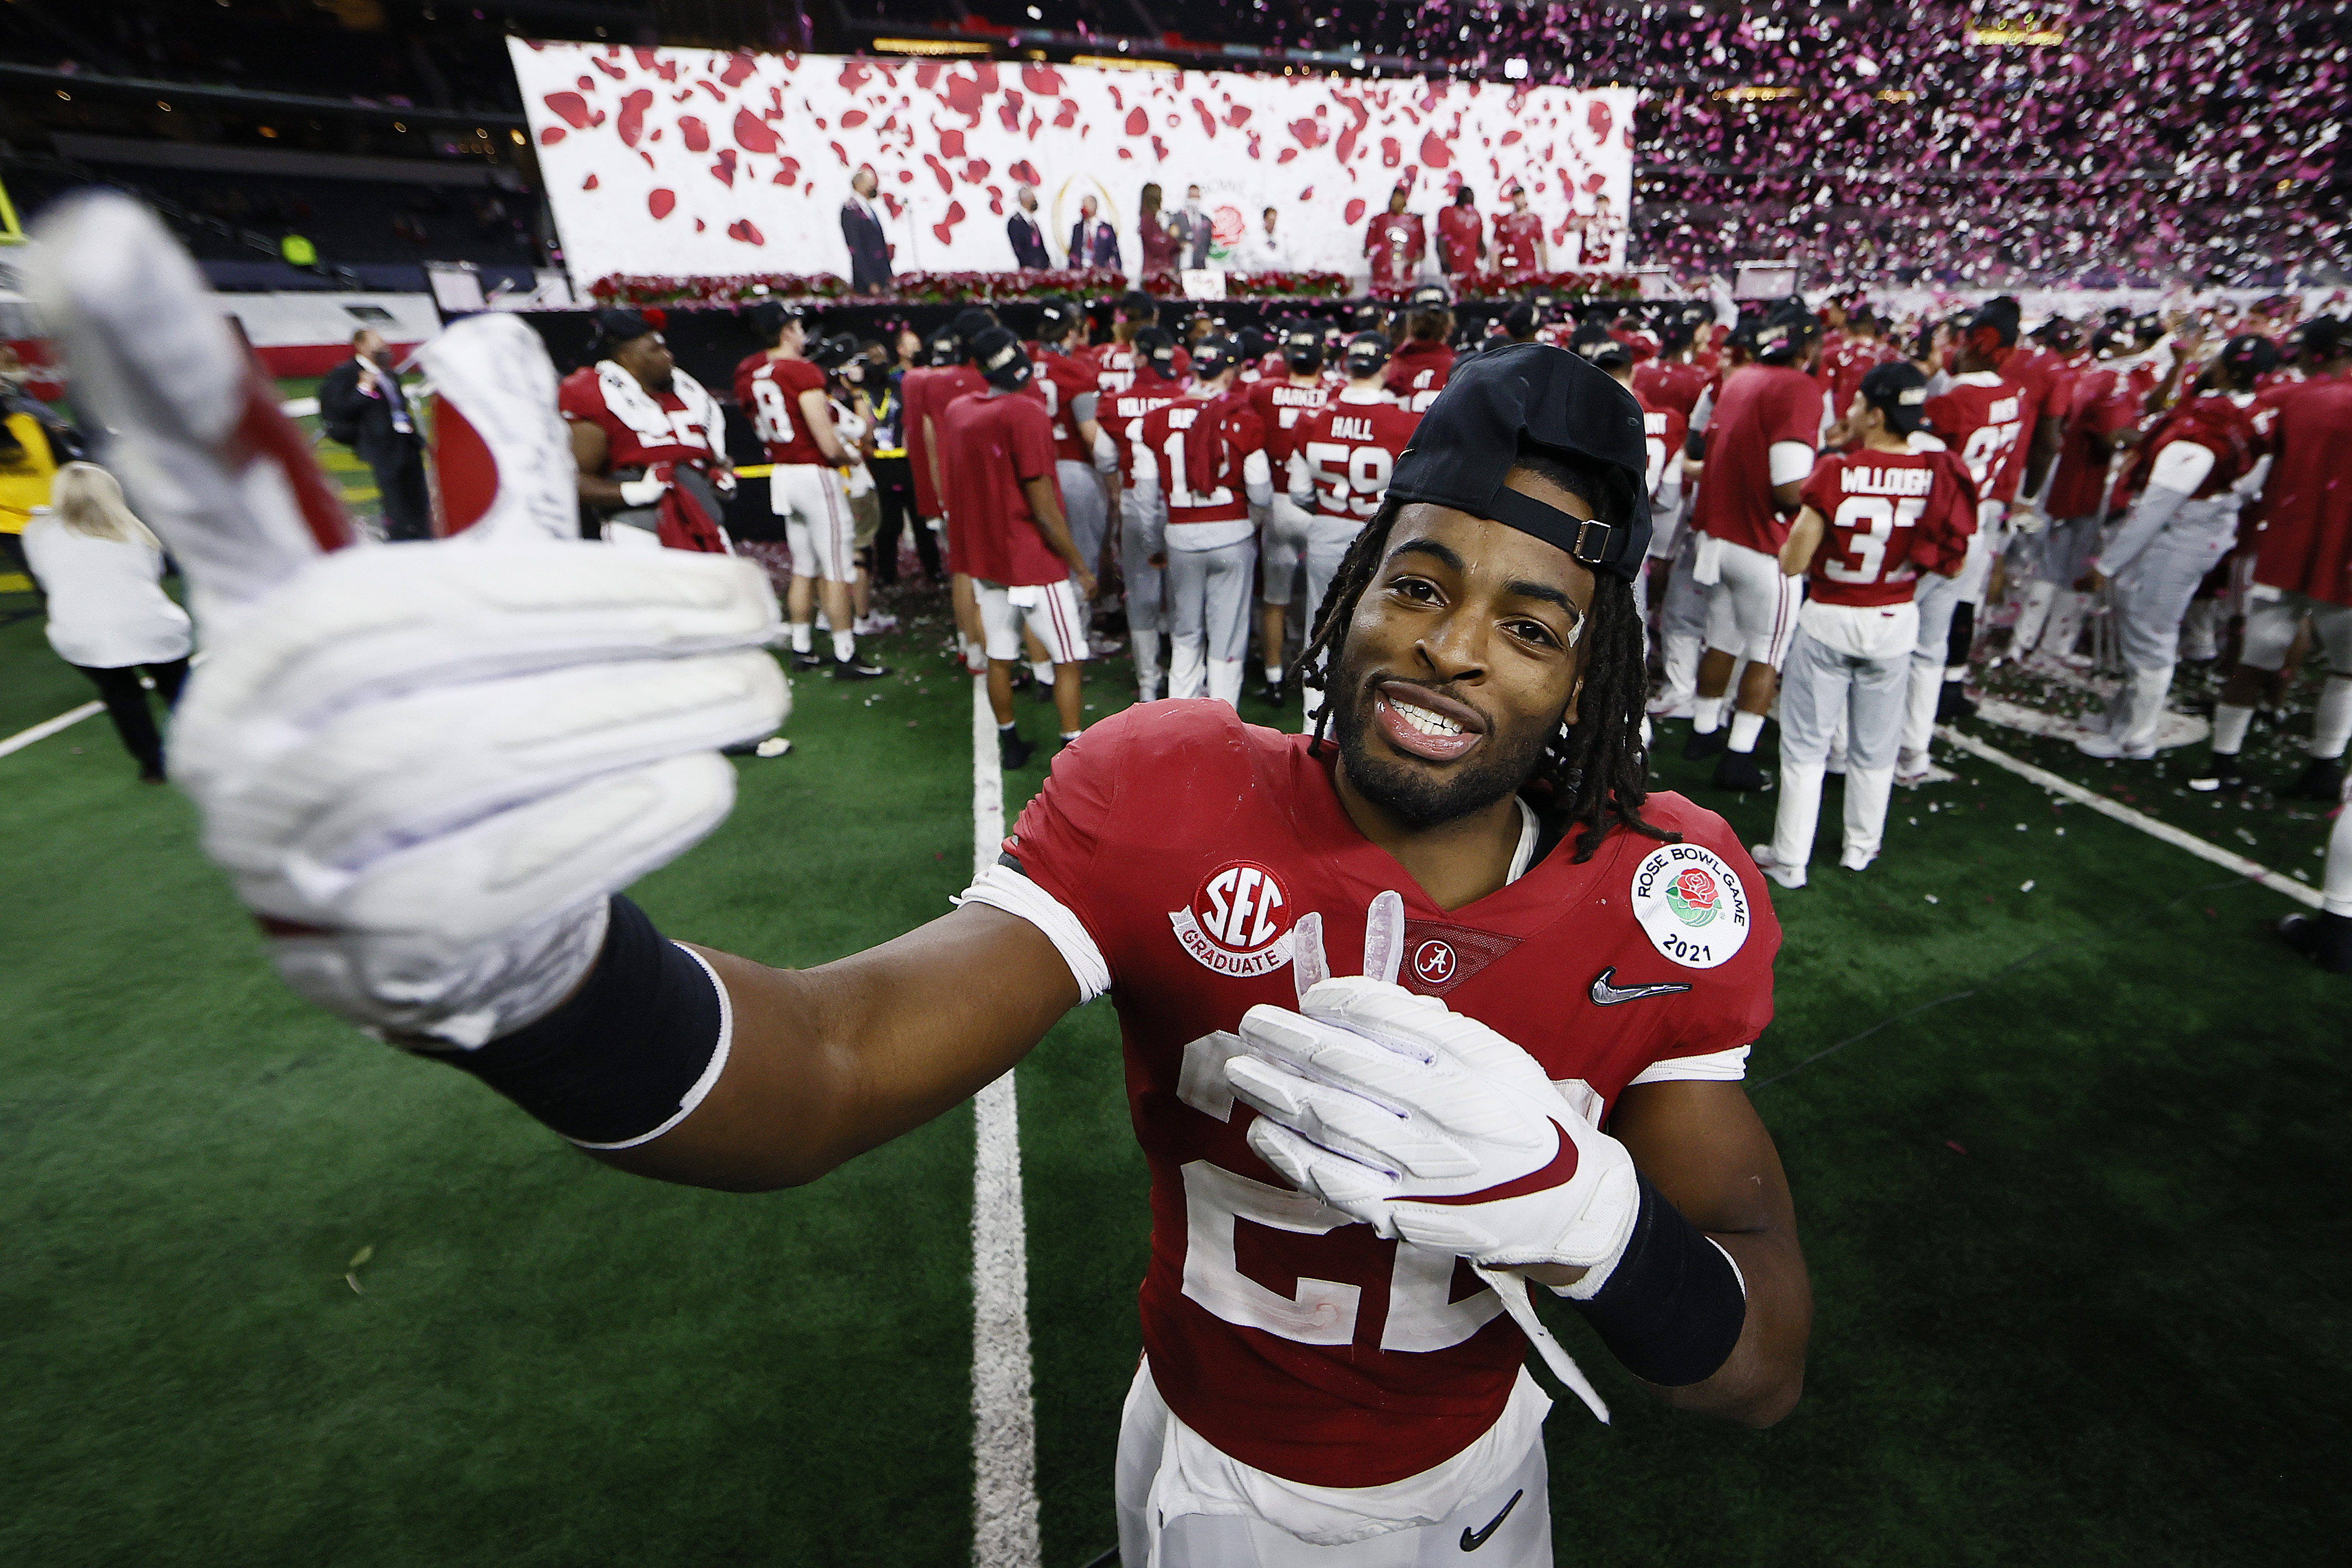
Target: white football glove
x,y
1432,1128
641,492
426,766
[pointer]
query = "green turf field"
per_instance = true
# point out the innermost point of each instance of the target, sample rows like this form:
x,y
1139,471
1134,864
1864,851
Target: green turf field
x,y
2067,1161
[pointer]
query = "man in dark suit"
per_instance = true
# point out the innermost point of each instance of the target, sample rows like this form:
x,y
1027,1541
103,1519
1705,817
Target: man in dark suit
x,y
861,226
362,406
1029,252
1092,243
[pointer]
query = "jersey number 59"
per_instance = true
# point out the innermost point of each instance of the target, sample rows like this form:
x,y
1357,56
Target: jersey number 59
x,y
1352,479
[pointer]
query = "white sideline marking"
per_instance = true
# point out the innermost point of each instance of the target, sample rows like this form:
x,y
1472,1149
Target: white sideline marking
x,y
1004,1409
48,727
2165,831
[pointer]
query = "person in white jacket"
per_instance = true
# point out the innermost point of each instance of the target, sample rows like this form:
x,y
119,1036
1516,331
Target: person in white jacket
x,y
108,617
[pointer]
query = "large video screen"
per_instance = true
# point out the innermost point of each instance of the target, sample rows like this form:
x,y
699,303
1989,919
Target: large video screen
x,y
688,163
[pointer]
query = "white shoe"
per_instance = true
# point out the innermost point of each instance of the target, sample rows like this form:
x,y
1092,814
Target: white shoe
x,y
1664,706
1770,864
1147,692
1853,861
1099,646
874,626
773,746
2112,748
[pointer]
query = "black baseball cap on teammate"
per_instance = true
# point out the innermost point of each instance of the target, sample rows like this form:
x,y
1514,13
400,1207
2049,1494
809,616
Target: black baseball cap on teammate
x,y
1428,297
1252,343
1158,345
1365,354
1302,347
1536,395
1593,341
1138,306
2000,316
1781,337
616,326
1213,355
2248,356
769,318
1897,390
997,353
1521,321
947,349
2322,338
1055,317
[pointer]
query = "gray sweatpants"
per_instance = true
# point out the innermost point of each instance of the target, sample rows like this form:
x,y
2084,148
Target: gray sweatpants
x,y
1084,504
1208,617
2152,594
1819,687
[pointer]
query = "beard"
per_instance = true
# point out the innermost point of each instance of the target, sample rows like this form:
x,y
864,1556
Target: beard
x,y
1421,795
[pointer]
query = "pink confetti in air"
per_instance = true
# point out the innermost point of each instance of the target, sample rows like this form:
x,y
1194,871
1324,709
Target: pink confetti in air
x,y
694,133
753,134
744,230
570,108
661,201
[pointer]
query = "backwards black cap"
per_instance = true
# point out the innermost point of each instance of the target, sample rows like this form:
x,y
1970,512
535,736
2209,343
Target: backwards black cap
x,y
1536,395
997,353
1781,338
1158,345
1138,306
1897,390
617,326
768,320
1521,321
1055,317
2249,355
973,321
2322,338
1365,353
1302,348
1593,341
1213,355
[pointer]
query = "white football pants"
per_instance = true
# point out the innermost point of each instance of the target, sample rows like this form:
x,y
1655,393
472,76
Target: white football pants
x,y
1085,508
1147,614
1510,1522
809,497
1208,619
1820,686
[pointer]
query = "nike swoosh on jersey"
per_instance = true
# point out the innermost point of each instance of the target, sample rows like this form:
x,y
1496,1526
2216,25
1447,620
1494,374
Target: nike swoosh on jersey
x,y
1605,995
1473,1538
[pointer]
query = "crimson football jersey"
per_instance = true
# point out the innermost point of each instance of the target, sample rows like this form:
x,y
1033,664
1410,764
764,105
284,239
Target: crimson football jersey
x,y
1418,373
2306,545
1280,405
1062,379
769,390
2097,406
1665,429
2213,420
1518,239
1121,412
684,424
1759,406
1188,844
1166,433
1670,384
927,392
990,443
1988,420
1396,242
1350,450
1460,239
1116,366
1889,516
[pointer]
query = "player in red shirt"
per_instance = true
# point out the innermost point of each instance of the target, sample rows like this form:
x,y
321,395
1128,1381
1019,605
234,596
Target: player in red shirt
x,y
1395,242
1519,245
956,377
2098,411
1461,235
1873,520
784,396
1201,470
2184,521
1857,352
1671,380
1665,433
2303,567
1763,430
1338,468
1993,424
1417,373
1142,559
1280,405
649,443
1478,829
998,446
1084,460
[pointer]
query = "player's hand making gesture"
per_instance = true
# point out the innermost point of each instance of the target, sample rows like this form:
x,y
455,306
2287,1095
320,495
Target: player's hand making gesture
x,y
426,766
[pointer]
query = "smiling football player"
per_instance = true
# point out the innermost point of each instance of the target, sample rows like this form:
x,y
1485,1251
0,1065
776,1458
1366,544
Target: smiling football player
x,y
1354,1179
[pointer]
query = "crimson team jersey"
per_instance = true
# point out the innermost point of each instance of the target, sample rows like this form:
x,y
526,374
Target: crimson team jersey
x,y
769,390
1663,432
2097,406
1670,384
1126,411
2212,420
926,393
1280,405
1418,373
1989,421
1166,433
1350,450
1396,242
684,424
1459,236
1116,366
2306,545
1062,380
1188,844
987,445
1843,364
1889,516
1762,405
1518,237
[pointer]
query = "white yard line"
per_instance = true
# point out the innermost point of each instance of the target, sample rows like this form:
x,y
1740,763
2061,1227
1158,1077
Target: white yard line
x,y
1004,1408
2164,831
48,727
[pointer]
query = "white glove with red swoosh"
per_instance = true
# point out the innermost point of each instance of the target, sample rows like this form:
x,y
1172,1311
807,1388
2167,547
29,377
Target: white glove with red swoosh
x,y
1432,1128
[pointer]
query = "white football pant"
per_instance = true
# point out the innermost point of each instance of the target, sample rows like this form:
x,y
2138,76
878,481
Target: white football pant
x,y
1050,610
1146,593
1208,618
817,525
1858,671
1751,605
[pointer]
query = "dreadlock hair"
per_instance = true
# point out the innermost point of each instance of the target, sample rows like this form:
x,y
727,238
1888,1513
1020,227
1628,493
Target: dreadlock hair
x,y
1595,775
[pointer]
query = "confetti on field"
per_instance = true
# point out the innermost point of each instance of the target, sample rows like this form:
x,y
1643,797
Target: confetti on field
x,y
2026,886
1955,1147
1934,899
